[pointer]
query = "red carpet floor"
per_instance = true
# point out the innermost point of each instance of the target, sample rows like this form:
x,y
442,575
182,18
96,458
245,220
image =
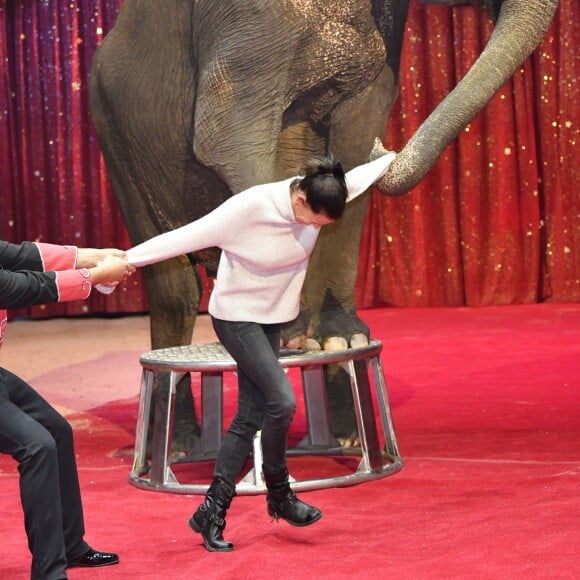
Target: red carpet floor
x,y
487,411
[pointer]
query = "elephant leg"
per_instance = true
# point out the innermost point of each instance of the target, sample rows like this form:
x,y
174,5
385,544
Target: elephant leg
x,y
337,325
330,282
329,287
331,278
142,107
291,158
341,414
186,431
174,294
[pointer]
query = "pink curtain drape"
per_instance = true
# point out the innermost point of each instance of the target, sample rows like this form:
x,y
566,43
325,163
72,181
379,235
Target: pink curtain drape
x,y
495,222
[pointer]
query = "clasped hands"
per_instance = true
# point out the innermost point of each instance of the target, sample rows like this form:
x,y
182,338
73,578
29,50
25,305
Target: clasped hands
x,y
107,266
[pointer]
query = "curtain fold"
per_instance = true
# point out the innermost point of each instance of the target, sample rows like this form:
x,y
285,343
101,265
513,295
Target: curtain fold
x,y
55,188
495,222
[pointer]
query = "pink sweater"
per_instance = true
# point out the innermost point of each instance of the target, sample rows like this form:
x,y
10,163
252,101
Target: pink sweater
x,y
265,252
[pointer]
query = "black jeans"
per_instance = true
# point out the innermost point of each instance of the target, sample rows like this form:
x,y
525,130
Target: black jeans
x,y
41,441
266,399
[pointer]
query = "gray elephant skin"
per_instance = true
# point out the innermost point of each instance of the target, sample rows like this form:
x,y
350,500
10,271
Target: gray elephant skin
x,y
195,100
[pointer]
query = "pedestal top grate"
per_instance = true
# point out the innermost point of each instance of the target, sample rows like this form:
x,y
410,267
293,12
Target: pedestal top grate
x,y
214,357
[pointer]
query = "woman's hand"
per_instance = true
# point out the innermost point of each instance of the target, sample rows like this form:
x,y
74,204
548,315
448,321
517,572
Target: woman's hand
x,y
111,270
90,257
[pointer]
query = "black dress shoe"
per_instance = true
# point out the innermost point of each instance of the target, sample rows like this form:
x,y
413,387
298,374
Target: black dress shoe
x,y
93,559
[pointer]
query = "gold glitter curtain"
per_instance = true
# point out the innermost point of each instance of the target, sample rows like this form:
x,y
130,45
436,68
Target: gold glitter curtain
x,y
495,222
53,185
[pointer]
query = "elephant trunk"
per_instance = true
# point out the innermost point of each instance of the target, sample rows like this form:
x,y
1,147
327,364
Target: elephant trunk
x,y
520,28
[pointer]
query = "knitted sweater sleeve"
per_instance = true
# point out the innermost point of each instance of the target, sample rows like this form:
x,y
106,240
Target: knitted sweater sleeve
x,y
359,179
211,230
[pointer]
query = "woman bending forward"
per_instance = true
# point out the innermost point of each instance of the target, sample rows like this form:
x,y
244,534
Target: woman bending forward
x,y
267,234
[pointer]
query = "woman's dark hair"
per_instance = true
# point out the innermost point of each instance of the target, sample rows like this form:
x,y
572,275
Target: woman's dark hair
x,y
324,185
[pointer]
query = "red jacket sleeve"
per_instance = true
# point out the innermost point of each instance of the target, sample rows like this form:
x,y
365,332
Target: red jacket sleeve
x,y
33,274
71,284
57,257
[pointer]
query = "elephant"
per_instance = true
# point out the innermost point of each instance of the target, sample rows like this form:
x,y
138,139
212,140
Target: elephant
x,y
195,100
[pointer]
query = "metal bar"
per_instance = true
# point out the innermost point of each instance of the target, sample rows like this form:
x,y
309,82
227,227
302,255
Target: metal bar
x,y
314,388
162,426
366,414
211,411
142,429
384,406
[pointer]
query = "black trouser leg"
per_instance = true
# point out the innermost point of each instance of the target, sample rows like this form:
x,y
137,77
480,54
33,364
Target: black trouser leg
x,y
266,399
41,441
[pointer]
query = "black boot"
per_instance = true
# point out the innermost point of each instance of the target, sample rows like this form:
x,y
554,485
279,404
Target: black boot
x,y
209,519
283,503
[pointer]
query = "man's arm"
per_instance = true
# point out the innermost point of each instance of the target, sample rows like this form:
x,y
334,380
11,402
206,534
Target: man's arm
x,y
23,281
25,256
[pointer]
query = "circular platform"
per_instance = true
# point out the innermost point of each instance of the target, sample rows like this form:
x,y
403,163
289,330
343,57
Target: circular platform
x,y
377,457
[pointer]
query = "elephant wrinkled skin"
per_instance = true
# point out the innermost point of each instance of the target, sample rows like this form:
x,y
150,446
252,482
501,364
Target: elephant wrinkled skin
x,y
196,100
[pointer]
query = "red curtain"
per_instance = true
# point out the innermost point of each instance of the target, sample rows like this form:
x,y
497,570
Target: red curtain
x,y
53,181
495,222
